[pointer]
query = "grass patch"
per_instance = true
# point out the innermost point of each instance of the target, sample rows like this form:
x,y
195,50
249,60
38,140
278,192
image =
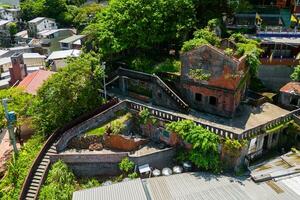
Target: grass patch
x,y
114,123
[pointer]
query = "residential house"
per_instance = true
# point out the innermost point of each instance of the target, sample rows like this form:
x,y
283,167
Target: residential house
x,y
212,81
34,81
18,66
10,14
39,24
57,59
290,95
73,42
48,40
22,37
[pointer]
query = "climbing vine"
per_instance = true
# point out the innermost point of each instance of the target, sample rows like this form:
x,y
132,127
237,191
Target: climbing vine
x,y
204,153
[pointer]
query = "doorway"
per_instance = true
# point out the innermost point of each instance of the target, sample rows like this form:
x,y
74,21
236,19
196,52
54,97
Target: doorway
x,y
265,144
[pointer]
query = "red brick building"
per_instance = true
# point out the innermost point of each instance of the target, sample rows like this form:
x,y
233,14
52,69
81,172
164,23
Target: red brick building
x,y
212,81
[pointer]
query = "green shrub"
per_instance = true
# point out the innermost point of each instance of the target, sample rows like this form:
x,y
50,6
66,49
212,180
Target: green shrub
x,y
295,76
234,147
10,185
169,65
126,165
133,175
60,183
90,183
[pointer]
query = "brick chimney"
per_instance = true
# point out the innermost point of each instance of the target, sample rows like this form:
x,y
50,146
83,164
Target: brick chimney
x,y
18,71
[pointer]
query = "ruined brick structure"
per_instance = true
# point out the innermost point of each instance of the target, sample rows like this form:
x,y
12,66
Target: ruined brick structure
x,y
224,86
18,71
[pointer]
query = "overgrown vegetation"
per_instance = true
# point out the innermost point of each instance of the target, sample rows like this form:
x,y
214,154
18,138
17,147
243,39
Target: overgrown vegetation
x,y
127,167
18,168
234,147
145,117
204,153
61,183
295,76
249,48
200,74
68,94
116,126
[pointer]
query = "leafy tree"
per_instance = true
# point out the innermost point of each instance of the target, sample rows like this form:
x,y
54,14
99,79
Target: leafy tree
x,y
19,102
295,76
204,153
131,24
31,9
68,94
60,183
85,14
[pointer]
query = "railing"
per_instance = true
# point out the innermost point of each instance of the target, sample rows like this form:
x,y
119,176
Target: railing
x,y
149,77
172,117
254,131
52,139
172,93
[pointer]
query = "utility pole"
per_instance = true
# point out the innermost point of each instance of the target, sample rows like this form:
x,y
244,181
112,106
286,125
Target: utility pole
x,y
104,83
11,119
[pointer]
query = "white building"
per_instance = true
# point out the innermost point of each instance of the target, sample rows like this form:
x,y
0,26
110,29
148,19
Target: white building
x,y
10,14
39,24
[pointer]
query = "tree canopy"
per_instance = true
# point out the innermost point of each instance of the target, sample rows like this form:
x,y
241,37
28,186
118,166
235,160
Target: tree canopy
x,y
128,24
19,102
204,153
68,94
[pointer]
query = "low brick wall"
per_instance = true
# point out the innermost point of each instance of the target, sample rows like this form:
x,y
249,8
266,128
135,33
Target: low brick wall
x,y
91,123
122,143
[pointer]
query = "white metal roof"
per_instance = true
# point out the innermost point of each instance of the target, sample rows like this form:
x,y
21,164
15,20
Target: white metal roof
x,y
33,55
3,22
51,31
72,39
2,52
37,19
131,190
23,34
5,60
64,54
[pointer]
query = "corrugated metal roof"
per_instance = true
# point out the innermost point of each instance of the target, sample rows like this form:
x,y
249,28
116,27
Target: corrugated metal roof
x,y
131,190
192,186
64,54
72,39
195,186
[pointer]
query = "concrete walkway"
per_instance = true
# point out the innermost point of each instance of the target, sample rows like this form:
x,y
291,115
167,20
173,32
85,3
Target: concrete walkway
x,y
5,150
